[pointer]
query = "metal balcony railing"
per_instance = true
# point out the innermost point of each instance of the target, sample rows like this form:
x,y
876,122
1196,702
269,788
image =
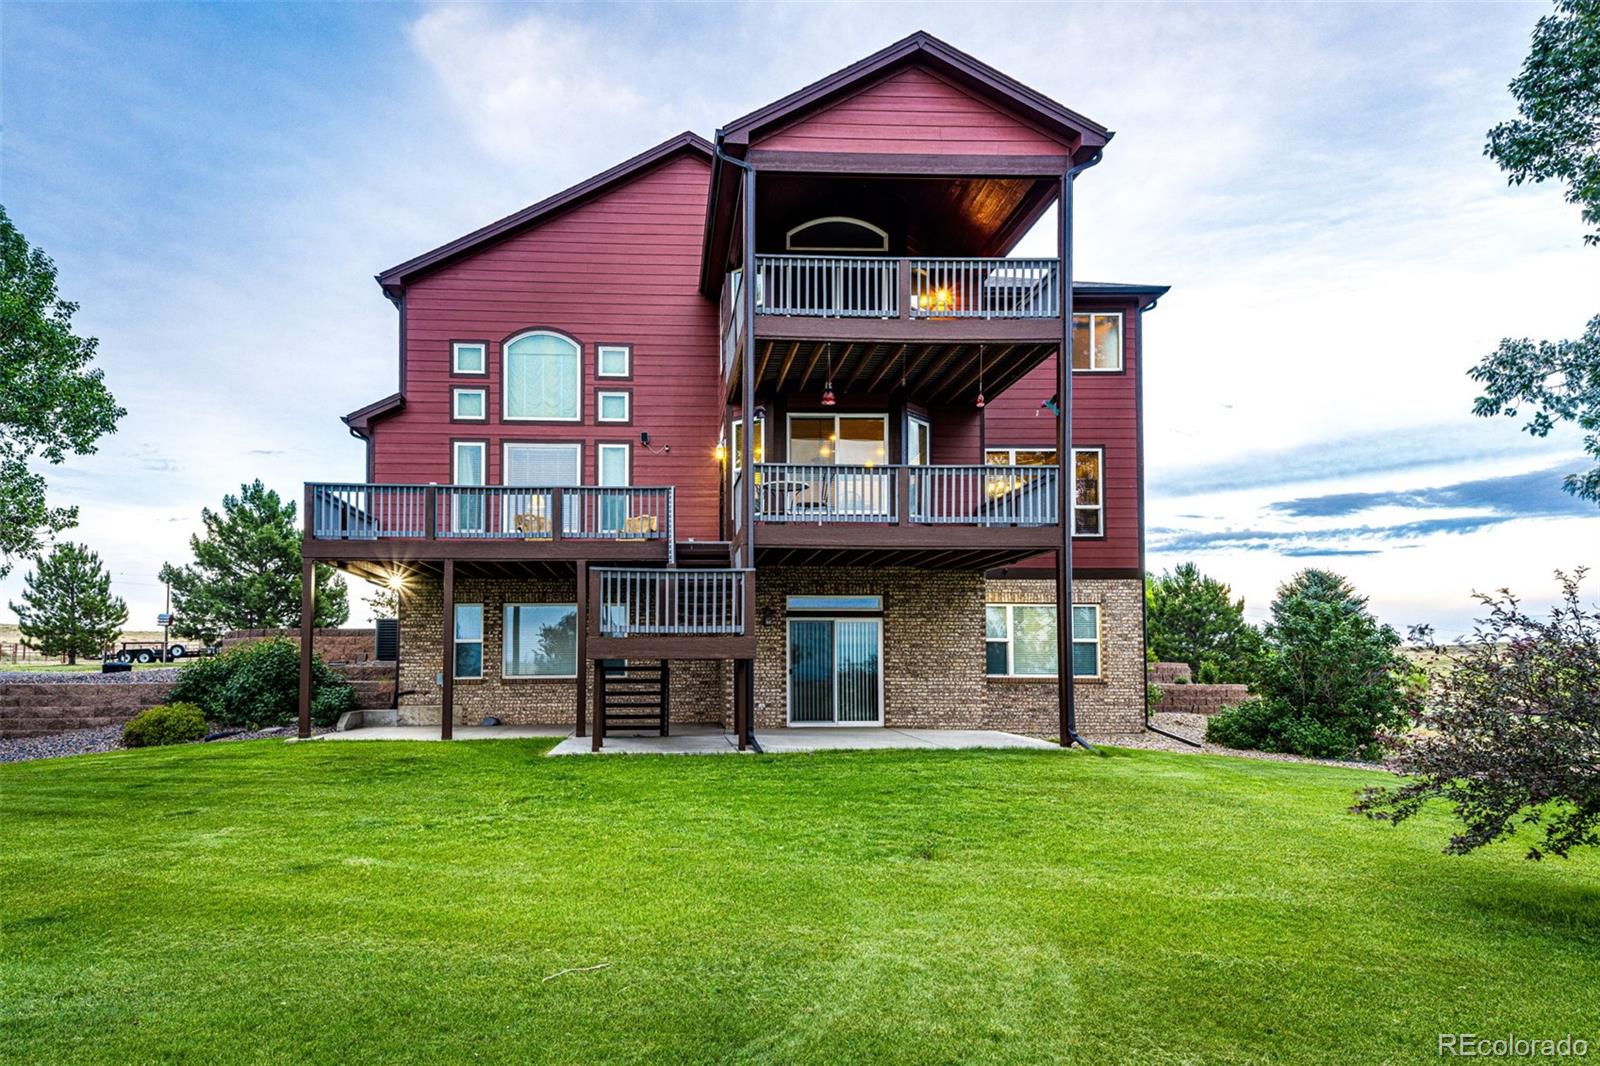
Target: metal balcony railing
x,y
641,602
976,495
832,286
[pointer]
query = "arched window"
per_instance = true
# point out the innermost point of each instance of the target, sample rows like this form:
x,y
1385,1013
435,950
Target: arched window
x,y
543,374
836,233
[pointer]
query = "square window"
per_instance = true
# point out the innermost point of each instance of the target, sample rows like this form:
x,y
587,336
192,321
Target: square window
x,y
541,640
613,360
1097,341
614,407
469,357
469,405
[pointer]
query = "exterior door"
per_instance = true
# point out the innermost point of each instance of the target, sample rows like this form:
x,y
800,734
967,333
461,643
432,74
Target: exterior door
x,y
612,461
835,671
919,452
859,442
467,510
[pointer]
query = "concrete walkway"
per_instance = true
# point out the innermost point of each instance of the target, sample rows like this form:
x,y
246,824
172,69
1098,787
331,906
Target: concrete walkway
x,y
710,740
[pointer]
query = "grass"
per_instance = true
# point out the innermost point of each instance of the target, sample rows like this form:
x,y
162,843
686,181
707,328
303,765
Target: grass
x,y
375,901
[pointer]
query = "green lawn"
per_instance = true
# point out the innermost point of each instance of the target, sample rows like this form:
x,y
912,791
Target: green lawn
x,y
407,901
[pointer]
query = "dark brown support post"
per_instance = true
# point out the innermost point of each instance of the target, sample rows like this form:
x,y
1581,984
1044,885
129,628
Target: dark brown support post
x,y
308,618
430,509
902,495
584,607
747,501
666,695
447,696
903,292
1066,475
556,519
597,728
740,710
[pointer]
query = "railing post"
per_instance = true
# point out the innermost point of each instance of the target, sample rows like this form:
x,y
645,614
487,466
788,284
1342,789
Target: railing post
x,y
557,520
902,495
310,530
430,505
903,289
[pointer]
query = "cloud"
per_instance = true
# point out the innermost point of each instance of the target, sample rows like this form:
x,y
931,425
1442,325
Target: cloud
x,y
1535,494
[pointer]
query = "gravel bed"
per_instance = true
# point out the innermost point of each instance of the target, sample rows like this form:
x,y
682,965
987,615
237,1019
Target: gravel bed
x,y
105,738
1193,727
163,673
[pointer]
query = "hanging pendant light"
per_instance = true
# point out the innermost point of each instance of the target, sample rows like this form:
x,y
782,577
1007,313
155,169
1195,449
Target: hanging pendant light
x,y
828,398
980,402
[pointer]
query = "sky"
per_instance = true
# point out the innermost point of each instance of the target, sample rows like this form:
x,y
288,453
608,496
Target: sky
x,y
219,183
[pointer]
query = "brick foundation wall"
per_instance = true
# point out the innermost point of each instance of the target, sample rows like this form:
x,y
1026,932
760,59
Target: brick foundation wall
x,y
331,645
932,641
696,687
1112,703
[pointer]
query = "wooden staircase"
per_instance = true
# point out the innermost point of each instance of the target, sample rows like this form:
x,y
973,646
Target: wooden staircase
x,y
704,554
633,696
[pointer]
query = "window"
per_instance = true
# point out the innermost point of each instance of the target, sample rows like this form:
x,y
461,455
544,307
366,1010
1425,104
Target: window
x,y
467,468
1020,640
613,360
757,447
1097,341
835,603
541,640
542,375
1089,508
919,442
468,405
614,407
469,357
847,439
469,640
542,464
836,233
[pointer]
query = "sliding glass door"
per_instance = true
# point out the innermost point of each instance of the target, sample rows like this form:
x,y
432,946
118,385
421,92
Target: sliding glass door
x,y
857,442
835,671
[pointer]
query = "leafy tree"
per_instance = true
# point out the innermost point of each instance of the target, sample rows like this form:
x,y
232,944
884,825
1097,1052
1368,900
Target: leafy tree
x,y
67,607
1194,619
51,403
1510,733
384,602
1556,138
1331,682
246,571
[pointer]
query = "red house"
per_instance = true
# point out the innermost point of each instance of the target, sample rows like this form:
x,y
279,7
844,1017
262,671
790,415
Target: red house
x,y
585,533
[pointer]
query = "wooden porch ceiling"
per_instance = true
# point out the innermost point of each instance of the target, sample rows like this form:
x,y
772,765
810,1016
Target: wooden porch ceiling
x,y
930,373
925,559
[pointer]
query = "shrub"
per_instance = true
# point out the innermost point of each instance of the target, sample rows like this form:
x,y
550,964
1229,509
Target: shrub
x,y
1331,684
257,686
167,723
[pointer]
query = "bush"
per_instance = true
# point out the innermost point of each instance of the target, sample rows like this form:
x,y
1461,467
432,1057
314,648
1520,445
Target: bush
x,y
257,686
167,723
1331,684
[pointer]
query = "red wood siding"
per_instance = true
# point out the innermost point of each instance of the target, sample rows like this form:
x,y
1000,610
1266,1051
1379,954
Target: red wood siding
x,y
1105,414
620,269
914,112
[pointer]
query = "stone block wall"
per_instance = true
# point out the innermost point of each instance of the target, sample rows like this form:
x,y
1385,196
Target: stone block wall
x,y
29,709
1199,699
696,687
1112,703
1168,673
331,645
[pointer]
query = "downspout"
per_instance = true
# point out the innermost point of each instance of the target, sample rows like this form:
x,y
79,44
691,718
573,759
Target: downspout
x,y
1144,571
1064,498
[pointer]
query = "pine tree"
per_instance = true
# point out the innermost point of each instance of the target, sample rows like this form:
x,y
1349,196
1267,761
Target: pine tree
x,y
246,571
67,607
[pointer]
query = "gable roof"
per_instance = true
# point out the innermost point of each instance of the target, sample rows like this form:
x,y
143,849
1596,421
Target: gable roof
x,y
360,420
927,50
688,142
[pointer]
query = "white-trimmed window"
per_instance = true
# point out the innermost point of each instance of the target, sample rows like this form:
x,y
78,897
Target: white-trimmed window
x,y
469,641
1088,474
543,378
541,640
541,465
1097,341
757,448
613,361
613,406
1020,640
469,405
469,357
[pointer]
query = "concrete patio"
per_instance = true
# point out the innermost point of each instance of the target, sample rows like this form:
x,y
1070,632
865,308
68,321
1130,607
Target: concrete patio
x,y
711,740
